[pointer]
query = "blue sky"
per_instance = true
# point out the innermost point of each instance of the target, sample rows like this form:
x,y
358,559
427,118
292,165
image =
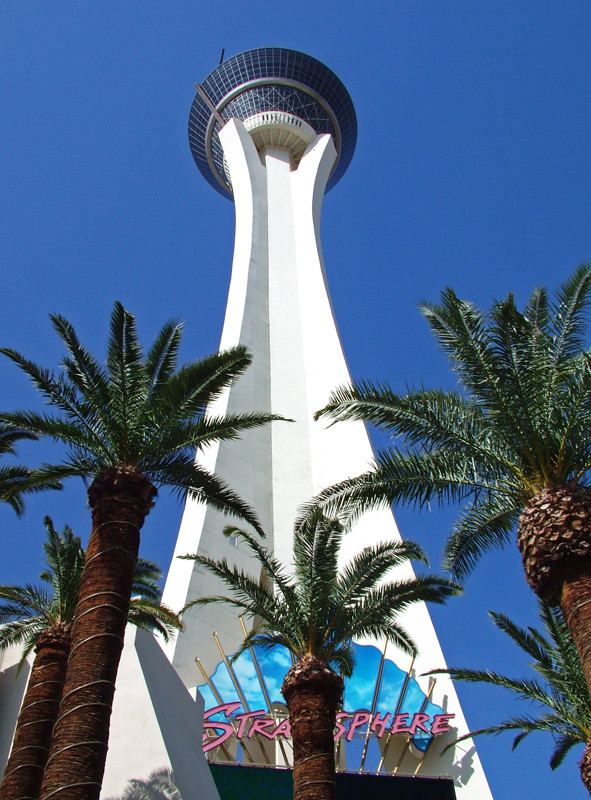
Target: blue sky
x,y
472,169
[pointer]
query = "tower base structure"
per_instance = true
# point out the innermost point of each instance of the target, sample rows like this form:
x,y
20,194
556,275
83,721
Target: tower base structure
x,y
156,725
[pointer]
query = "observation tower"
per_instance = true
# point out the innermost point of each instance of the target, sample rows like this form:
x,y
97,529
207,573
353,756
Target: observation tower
x,y
273,130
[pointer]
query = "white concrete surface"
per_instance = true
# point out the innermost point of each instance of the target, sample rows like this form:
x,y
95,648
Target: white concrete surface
x,y
155,721
13,683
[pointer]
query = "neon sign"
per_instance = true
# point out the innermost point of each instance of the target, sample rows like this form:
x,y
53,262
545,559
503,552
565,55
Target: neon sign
x,y
249,723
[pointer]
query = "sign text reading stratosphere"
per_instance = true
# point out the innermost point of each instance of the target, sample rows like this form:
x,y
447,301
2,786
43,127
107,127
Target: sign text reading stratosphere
x,y
249,723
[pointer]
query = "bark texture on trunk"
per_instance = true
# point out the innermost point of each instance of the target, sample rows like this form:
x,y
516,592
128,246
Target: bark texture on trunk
x,y
32,738
585,767
555,542
554,535
575,602
313,694
120,498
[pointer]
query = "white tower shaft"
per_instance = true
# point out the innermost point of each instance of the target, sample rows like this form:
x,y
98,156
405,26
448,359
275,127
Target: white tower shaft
x,y
279,307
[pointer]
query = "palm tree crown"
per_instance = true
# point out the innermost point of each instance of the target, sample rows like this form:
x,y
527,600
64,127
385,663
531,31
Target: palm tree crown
x,y
318,609
512,446
139,411
159,785
27,611
518,426
561,702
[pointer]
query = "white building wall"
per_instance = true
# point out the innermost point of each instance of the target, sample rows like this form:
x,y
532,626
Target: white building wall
x,y
155,721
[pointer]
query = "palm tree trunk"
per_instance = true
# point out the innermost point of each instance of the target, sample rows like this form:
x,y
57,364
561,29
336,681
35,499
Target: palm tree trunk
x,y
575,602
313,693
32,739
120,498
555,546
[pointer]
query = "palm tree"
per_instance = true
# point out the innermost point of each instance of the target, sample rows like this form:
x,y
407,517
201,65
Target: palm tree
x,y
512,446
561,702
315,612
129,426
41,620
159,785
15,479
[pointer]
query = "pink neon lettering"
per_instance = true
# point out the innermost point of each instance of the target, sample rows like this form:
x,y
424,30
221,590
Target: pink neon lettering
x,y
261,726
440,723
378,725
227,729
399,723
340,728
283,729
264,727
418,723
359,719
244,717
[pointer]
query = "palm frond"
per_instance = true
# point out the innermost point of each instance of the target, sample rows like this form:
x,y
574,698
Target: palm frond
x,y
485,524
530,641
82,369
65,558
154,616
318,608
21,631
562,746
315,552
140,411
15,479
562,706
518,424
194,434
9,436
569,321
461,331
415,479
248,594
162,358
59,393
81,438
372,564
179,472
190,390
146,579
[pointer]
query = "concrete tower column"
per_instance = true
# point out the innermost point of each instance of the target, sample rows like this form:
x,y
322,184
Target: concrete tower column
x,y
274,130
279,308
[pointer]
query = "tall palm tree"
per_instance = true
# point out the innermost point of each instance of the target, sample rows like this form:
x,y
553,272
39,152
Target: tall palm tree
x,y
14,478
561,702
315,612
513,446
40,619
129,426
